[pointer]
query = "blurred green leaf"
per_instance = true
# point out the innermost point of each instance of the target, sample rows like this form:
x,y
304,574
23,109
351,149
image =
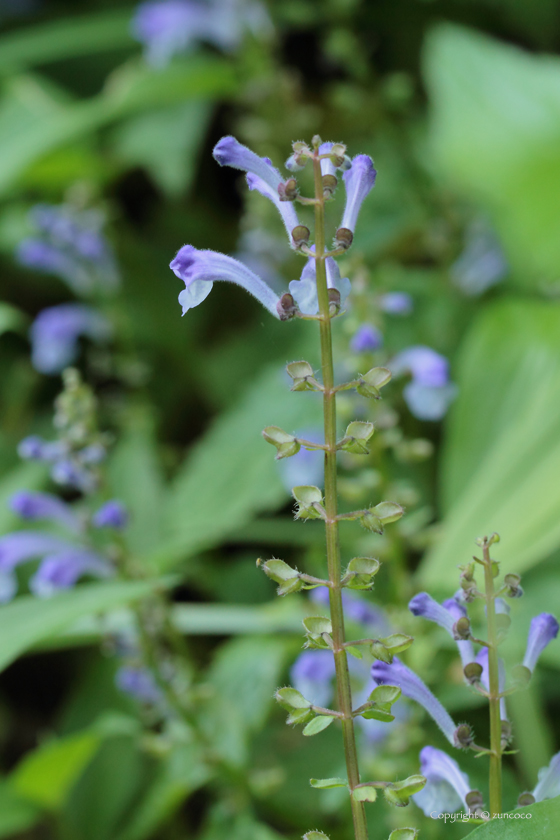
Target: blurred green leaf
x,y
66,38
16,813
28,620
46,775
542,825
230,475
11,319
166,143
502,456
496,130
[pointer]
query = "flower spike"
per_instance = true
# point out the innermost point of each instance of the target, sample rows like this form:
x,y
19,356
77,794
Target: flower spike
x,y
446,615
199,270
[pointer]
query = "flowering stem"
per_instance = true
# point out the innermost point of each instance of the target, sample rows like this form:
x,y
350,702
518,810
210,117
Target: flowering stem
x,y
494,693
344,694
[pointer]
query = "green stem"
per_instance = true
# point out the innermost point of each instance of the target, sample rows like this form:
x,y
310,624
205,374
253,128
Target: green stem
x,y
495,780
344,694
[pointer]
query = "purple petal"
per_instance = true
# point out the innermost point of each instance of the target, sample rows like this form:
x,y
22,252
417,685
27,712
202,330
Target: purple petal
x,y
37,506
200,269
429,403
548,785
285,208
20,546
396,303
55,333
312,674
366,339
447,786
426,366
61,570
230,152
170,27
112,514
359,181
543,629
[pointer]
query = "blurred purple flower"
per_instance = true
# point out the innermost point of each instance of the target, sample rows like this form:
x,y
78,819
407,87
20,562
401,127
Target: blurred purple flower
x,y
446,615
35,506
366,339
543,629
430,392
71,468
359,180
139,683
55,333
112,514
396,303
447,787
306,467
355,608
482,263
312,674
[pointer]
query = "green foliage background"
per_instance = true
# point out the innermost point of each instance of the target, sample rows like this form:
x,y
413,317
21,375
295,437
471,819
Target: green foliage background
x,y
459,104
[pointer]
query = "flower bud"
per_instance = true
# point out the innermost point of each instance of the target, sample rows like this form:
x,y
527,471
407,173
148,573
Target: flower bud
x,y
296,162
463,736
474,800
316,141
286,307
473,672
462,629
343,238
329,185
288,190
525,799
300,236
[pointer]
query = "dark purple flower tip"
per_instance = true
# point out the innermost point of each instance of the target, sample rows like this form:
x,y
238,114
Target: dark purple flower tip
x,y
366,339
112,514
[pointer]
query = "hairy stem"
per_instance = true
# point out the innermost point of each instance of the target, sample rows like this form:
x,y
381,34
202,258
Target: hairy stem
x,y
495,780
344,694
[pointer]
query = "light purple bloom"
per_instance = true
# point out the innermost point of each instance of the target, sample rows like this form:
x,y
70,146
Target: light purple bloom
x,y
304,290
396,303
543,629
139,683
428,403
482,263
412,686
446,615
482,659
62,570
230,152
169,27
199,270
447,786
426,366
112,514
20,546
36,506
312,674
55,333
548,785
366,339
69,468
358,180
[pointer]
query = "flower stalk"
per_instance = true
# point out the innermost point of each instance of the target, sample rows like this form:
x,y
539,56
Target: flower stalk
x,y
495,775
344,694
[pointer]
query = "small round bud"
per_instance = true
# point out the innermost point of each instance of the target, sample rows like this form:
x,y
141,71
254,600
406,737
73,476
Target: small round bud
x,y
334,302
300,236
525,799
473,672
316,141
343,238
286,307
474,800
462,629
463,736
288,190
329,185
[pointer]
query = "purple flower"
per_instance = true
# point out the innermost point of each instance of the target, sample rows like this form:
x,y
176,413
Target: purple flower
x,y
358,180
482,659
55,333
62,565
69,468
312,674
169,27
327,166
71,245
62,570
366,339
548,785
34,448
304,290
199,270
447,787
112,514
230,152
396,303
543,629
139,683
446,615
36,506
430,393
482,263
412,686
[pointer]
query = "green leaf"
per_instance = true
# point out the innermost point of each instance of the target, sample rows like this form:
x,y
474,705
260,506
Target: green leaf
x,y
364,793
16,813
316,625
27,620
496,131
397,642
542,824
326,784
500,467
388,694
229,476
70,37
318,724
404,834
46,776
